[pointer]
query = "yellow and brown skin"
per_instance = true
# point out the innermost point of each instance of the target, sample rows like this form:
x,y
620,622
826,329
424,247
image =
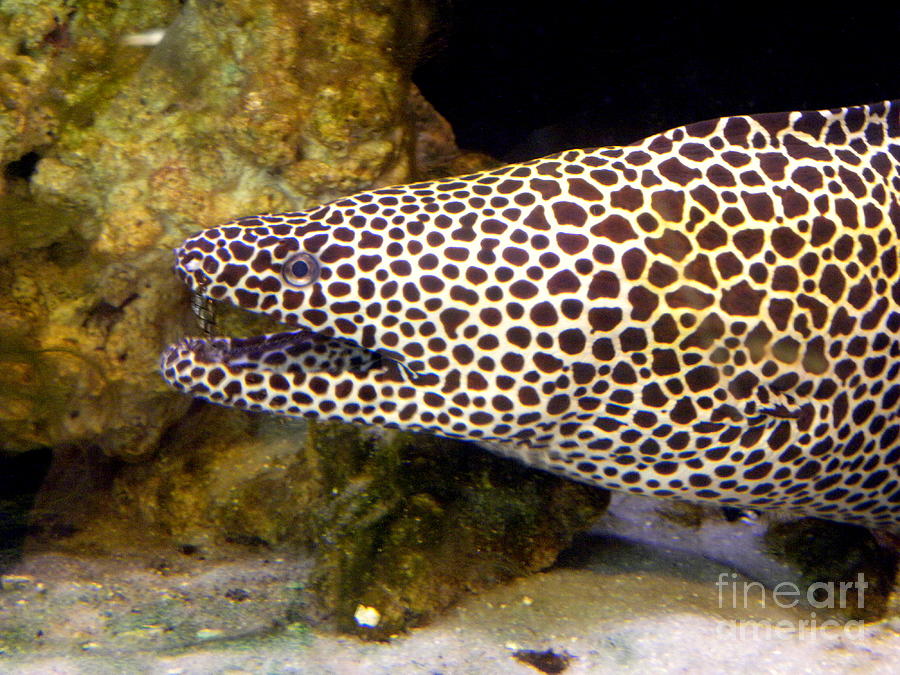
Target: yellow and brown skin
x,y
710,314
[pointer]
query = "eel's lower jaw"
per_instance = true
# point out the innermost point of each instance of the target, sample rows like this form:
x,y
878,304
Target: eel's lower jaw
x,y
299,351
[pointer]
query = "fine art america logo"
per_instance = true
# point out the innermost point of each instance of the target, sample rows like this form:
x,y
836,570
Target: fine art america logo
x,y
831,595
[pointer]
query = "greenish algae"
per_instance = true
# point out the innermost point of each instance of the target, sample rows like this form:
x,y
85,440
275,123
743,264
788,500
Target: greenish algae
x,y
830,553
425,520
61,61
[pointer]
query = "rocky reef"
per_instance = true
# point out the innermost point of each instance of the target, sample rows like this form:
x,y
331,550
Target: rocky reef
x,y
113,153
126,126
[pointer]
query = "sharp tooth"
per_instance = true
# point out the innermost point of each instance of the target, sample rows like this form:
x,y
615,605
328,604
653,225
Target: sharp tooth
x,y
205,310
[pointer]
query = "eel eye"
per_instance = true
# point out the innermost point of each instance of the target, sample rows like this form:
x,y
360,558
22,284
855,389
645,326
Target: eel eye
x,y
300,269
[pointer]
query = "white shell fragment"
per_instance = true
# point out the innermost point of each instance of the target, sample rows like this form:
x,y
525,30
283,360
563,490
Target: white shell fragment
x,y
148,38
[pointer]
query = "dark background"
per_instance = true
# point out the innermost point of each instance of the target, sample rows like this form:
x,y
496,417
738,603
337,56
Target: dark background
x,y
519,80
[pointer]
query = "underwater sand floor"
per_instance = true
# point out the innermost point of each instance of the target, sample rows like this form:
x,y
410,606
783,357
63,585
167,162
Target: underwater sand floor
x,y
612,606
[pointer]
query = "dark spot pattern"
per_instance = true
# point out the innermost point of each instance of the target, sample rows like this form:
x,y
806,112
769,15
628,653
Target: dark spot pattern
x,y
711,313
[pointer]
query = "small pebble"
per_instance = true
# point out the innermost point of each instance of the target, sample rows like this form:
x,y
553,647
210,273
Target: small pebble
x,y
367,616
15,582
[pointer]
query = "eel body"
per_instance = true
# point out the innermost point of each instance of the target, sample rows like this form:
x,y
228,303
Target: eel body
x,y
711,313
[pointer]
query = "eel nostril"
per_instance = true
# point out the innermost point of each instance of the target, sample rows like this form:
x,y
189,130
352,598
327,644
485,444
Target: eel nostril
x,y
192,263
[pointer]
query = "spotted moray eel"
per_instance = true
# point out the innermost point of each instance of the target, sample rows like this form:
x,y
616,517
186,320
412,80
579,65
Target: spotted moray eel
x,y
711,313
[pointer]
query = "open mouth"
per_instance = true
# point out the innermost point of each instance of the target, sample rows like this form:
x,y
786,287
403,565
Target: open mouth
x,y
273,372
286,352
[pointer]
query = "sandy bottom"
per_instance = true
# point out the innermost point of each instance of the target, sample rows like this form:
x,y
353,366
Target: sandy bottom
x,y
609,606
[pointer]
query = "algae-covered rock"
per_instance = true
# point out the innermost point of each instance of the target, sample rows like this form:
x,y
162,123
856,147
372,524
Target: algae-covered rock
x,y
428,520
843,567
59,60
113,153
